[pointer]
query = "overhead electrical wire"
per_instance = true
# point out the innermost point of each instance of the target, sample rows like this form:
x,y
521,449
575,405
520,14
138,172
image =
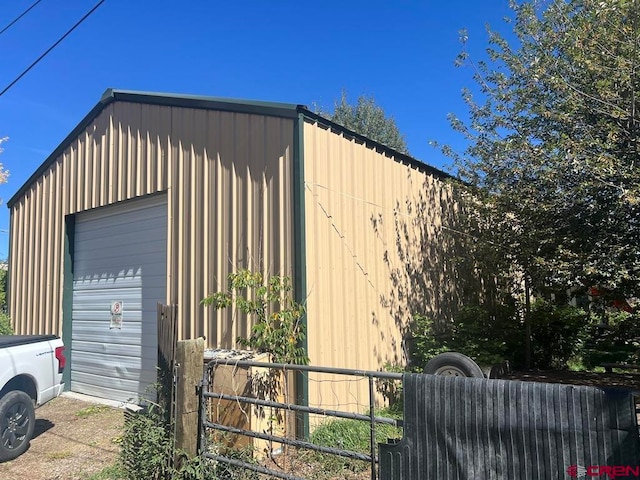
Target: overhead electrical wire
x,y
52,47
19,17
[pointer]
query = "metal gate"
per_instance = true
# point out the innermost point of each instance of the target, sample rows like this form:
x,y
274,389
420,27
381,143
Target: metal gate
x,y
462,428
246,396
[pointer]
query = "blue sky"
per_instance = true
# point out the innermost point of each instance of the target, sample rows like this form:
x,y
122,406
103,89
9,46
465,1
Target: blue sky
x,y
400,52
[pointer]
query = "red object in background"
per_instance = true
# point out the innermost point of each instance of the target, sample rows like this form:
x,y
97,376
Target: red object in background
x,y
620,304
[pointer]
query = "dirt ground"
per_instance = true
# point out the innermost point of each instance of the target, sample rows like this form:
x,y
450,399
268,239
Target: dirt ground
x,y
72,440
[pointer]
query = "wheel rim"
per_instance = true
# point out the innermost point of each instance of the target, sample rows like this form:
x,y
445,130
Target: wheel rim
x,y
450,371
15,425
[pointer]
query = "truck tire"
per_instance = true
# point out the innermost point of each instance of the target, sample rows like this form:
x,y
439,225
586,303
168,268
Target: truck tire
x,y
17,420
453,364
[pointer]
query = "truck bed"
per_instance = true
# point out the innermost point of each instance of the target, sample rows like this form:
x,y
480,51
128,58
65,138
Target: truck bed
x,y
13,340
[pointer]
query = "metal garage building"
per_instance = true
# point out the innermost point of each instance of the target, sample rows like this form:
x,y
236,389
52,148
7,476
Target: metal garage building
x,y
156,198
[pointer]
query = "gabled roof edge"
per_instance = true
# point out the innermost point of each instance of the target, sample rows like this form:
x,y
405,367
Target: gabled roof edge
x,y
88,118
414,162
276,109
286,110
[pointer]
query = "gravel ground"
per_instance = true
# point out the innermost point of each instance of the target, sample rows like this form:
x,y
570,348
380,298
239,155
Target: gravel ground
x,y
73,439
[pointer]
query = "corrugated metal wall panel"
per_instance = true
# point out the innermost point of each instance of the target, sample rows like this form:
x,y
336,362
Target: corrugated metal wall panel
x,y
228,178
237,168
467,428
375,255
86,175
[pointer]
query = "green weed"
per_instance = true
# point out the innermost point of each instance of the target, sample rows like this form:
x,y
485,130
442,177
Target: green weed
x,y
92,410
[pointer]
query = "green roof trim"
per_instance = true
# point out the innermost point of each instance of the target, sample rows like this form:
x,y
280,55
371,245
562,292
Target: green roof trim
x,y
274,109
408,159
67,295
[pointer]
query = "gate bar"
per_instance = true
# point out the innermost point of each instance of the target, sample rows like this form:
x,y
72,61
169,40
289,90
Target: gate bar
x,y
290,441
306,368
303,408
251,466
372,430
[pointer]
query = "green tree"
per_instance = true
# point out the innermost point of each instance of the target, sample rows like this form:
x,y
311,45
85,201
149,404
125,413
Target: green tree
x,y
369,119
552,163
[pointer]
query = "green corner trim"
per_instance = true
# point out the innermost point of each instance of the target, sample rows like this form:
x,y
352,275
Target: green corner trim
x,y
67,295
7,293
300,264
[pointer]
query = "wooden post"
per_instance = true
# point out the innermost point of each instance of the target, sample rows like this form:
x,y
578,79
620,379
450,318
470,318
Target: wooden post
x,y
189,355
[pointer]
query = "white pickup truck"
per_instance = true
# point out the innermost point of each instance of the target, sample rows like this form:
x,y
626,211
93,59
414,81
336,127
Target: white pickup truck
x,y
31,369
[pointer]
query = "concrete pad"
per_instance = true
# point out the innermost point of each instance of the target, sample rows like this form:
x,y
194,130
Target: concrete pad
x,y
102,401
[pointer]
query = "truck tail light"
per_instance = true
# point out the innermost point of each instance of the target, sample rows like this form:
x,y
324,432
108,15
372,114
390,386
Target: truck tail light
x,y
62,360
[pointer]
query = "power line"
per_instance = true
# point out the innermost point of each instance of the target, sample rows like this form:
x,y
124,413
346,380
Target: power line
x,y
52,47
19,17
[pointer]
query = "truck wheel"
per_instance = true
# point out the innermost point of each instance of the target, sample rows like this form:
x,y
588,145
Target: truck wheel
x,y
17,420
453,364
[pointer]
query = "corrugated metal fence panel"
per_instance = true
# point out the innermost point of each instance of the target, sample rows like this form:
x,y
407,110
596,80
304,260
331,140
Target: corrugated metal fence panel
x,y
120,255
465,428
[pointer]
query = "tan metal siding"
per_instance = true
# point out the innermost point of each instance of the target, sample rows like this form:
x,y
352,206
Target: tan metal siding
x,y
84,176
233,214
228,178
371,222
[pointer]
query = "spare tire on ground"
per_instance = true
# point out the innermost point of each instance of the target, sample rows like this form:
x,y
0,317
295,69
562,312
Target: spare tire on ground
x,y
453,364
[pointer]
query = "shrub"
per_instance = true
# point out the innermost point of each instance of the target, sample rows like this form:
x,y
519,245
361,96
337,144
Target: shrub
x,y
391,390
426,340
493,335
277,328
616,340
5,324
558,332
147,451
486,336
146,446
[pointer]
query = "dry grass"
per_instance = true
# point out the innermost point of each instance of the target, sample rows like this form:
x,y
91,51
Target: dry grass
x,y
72,441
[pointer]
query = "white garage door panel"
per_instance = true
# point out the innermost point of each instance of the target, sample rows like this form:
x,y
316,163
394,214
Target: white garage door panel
x,y
96,385
110,263
128,368
122,350
119,255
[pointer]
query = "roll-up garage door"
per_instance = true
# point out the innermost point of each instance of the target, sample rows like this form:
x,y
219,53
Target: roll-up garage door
x,y
119,275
